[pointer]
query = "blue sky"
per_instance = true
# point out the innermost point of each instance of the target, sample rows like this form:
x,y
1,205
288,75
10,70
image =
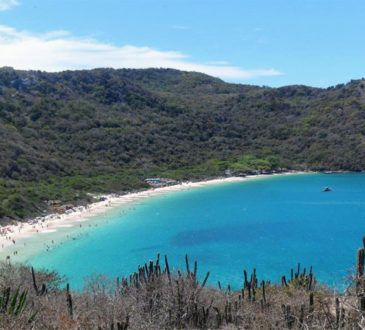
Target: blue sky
x,y
271,42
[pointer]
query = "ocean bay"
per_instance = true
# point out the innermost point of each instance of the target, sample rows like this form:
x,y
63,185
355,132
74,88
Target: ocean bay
x,y
270,223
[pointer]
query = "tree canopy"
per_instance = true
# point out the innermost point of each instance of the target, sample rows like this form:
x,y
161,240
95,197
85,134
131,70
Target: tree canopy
x,y
65,134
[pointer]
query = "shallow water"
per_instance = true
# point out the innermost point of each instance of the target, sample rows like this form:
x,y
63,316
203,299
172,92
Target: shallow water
x,y
270,223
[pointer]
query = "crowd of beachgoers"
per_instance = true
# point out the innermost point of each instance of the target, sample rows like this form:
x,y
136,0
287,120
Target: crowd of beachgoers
x,y
10,235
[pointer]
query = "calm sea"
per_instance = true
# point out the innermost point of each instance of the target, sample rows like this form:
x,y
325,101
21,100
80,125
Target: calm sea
x,y
270,223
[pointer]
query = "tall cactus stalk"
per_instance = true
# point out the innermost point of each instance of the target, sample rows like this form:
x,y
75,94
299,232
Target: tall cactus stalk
x,y
69,301
43,289
167,268
359,269
187,264
359,281
263,291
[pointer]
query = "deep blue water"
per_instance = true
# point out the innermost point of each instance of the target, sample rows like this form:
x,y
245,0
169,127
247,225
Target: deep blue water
x,y
269,223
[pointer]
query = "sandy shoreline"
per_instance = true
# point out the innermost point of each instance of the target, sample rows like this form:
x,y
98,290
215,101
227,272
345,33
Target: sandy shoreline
x,y
53,222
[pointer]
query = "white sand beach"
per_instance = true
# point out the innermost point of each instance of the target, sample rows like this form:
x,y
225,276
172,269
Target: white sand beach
x,y
73,218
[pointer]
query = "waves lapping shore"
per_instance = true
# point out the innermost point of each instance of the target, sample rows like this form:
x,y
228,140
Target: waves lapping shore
x,y
14,234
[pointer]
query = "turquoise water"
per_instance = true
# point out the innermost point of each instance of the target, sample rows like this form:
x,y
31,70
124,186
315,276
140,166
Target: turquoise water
x,y
269,223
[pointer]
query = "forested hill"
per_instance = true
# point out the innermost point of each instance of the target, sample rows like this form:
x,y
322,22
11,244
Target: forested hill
x,y
65,134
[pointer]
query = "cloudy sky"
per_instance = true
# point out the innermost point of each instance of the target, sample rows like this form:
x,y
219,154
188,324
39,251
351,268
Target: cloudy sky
x,y
263,42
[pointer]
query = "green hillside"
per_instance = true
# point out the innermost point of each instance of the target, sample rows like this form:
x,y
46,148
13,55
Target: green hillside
x,y
67,134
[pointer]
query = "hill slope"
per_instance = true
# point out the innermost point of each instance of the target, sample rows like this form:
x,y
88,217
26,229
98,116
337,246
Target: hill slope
x,y
65,134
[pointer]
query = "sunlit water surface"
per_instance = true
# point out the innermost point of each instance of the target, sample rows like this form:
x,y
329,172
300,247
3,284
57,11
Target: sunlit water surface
x,y
270,223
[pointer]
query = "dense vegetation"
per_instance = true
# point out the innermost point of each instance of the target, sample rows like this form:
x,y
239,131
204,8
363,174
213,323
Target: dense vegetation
x,y
64,135
154,297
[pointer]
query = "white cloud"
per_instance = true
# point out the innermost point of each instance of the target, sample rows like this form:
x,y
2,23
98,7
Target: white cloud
x,y
8,4
58,50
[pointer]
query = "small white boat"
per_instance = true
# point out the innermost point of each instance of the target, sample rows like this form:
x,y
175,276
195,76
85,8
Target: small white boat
x,y
326,189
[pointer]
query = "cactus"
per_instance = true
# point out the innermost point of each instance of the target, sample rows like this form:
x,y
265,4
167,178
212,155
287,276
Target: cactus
x,y
249,290
360,262
288,316
301,317
310,282
195,269
187,300
205,280
283,281
245,278
38,292
311,302
187,265
218,317
299,279
360,269
167,268
263,291
150,269
298,272
362,303
157,266
359,280
337,312
69,301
